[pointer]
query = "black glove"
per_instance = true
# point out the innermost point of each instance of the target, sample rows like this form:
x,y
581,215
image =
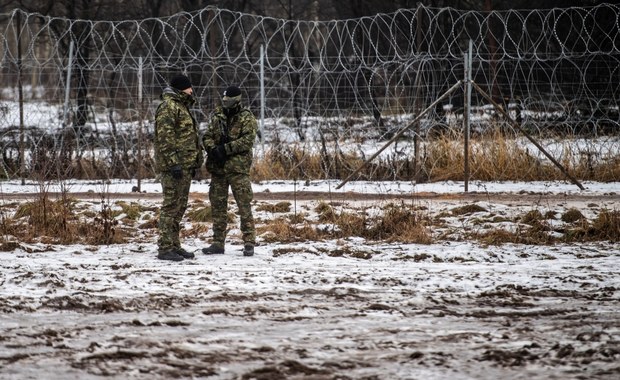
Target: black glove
x,y
193,172
176,171
219,153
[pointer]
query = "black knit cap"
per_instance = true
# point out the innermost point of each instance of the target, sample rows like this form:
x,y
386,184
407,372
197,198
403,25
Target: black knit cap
x,y
232,91
180,82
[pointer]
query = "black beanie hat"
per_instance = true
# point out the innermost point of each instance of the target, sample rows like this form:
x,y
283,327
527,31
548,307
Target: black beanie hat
x,y
232,91
180,82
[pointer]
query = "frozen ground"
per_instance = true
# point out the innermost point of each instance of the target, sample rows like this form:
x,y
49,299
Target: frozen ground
x,y
333,309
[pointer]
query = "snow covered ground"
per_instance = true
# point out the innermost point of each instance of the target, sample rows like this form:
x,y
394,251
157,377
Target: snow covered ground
x,y
328,186
331,309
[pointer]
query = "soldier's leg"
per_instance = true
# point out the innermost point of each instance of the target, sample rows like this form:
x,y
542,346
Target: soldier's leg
x,y
218,197
242,191
182,188
168,228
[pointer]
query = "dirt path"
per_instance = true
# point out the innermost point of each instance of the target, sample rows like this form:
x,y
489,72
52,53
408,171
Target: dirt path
x,y
352,196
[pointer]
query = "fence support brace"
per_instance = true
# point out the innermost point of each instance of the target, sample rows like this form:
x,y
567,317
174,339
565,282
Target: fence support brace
x,y
442,97
400,133
527,135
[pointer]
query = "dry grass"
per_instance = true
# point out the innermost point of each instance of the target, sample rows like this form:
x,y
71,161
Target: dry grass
x,y
496,237
57,221
529,236
397,223
284,251
279,207
48,218
467,210
201,214
532,217
496,158
401,222
606,226
60,221
197,230
572,215
536,230
282,231
132,210
493,156
292,163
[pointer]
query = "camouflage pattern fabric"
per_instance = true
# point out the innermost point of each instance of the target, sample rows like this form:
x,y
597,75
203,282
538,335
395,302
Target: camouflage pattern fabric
x,y
218,196
176,193
176,133
237,134
176,143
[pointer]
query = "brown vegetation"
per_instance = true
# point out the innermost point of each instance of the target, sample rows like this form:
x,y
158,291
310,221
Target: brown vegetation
x,y
492,157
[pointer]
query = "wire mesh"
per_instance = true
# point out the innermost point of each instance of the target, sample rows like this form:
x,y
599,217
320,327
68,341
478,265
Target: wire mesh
x,y
335,88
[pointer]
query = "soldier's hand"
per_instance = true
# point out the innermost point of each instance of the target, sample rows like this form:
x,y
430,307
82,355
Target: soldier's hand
x,y
176,171
219,153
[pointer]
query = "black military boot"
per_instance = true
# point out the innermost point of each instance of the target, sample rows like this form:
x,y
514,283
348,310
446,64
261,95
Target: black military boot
x,y
248,250
184,253
213,249
169,254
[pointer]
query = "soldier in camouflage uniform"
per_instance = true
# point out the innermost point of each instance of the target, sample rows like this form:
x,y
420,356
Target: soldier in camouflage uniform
x,y
178,153
229,141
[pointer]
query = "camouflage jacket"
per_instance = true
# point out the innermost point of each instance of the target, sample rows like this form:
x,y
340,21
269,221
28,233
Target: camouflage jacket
x,y
176,133
237,134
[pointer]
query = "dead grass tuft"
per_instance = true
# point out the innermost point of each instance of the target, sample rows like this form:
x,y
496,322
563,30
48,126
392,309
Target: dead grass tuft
x,y
326,212
397,223
467,210
132,210
149,224
197,230
572,215
50,218
350,224
9,246
533,218
297,218
606,226
401,223
200,214
281,230
59,222
284,251
279,207
501,236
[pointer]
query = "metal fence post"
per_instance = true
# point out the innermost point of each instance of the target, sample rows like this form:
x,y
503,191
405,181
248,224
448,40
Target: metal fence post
x,y
467,112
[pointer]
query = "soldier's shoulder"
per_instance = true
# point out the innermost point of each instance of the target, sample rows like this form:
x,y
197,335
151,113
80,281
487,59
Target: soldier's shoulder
x,y
169,103
166,101
246,113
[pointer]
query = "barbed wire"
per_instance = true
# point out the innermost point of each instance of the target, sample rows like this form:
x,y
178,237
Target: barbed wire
x,y
326,82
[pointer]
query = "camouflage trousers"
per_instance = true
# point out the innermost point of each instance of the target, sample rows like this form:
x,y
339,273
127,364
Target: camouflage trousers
x,y
218,196
176,193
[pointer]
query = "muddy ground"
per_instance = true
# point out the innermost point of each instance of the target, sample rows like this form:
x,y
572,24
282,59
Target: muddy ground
x,y
338,309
